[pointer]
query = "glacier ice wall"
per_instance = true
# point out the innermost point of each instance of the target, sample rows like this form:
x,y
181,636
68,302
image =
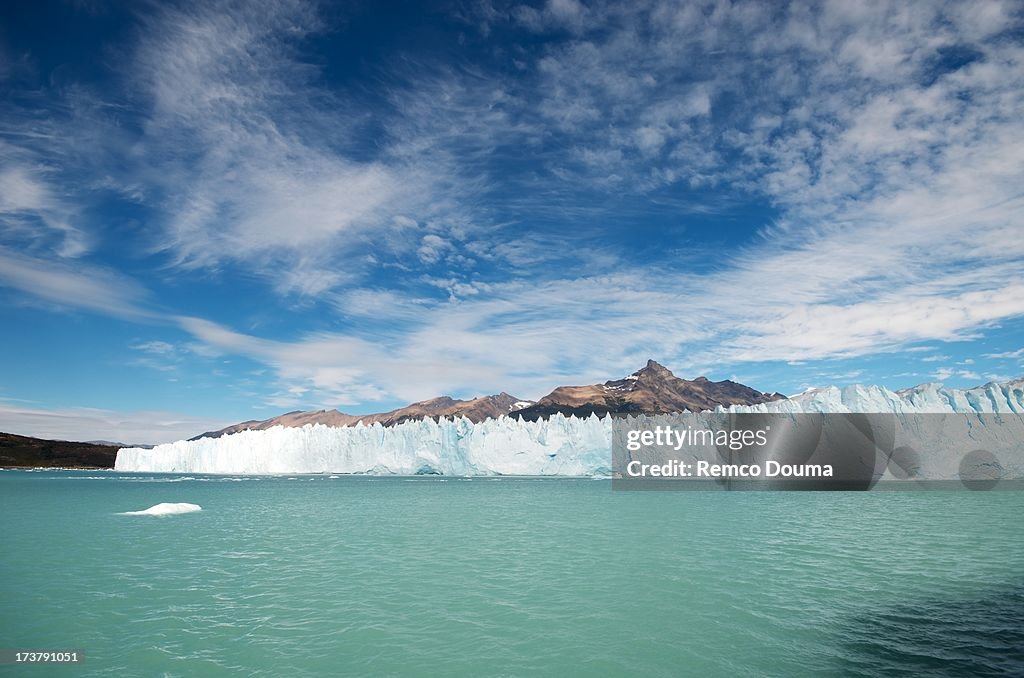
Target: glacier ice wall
x,y
558,446
931,398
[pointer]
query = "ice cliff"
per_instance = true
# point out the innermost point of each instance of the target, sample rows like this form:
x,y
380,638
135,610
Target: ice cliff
x,y
505,446
993,398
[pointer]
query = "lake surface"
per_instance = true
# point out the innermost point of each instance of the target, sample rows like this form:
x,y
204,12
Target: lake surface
x,y
466,577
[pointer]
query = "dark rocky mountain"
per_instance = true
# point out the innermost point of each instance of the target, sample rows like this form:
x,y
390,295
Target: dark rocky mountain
x,y
651,390
476,410
26,452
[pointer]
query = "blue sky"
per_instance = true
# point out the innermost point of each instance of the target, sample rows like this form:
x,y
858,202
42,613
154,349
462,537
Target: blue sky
x,y
218,211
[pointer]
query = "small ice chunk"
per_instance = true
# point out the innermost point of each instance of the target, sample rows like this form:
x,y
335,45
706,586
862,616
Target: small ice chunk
x,y
165,509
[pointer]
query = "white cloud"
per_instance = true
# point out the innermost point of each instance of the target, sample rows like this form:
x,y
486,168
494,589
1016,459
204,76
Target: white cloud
x,y
20,192
30,211
823,330
554,15
308,280
82,287
1013,355
160,348
250,153
432,248
845,376
944,373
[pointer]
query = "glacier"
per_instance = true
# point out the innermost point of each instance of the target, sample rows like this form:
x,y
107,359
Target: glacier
x,y
559,445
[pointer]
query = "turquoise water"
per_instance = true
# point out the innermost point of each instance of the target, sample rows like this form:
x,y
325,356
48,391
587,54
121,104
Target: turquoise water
x,y
374,576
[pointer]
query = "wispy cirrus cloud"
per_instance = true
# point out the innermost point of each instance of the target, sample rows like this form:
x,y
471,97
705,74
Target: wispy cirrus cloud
x,y
32,210
1019,353
268,167
91,288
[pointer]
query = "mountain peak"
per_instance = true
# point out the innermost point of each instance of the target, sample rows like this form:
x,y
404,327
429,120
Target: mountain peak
x,y
654,369
652,389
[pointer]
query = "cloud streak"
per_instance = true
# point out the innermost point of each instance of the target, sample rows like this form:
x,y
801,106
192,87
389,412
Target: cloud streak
x,y
94,289
80,423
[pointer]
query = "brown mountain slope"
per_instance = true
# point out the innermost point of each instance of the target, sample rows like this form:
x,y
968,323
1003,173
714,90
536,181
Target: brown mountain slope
x,y
476,410
23,451
651,390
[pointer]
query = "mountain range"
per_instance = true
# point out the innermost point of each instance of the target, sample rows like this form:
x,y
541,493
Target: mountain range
x,y
477,409
650,390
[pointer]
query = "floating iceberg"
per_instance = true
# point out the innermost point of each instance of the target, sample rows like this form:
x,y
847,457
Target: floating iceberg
x,y
165,509
557,446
